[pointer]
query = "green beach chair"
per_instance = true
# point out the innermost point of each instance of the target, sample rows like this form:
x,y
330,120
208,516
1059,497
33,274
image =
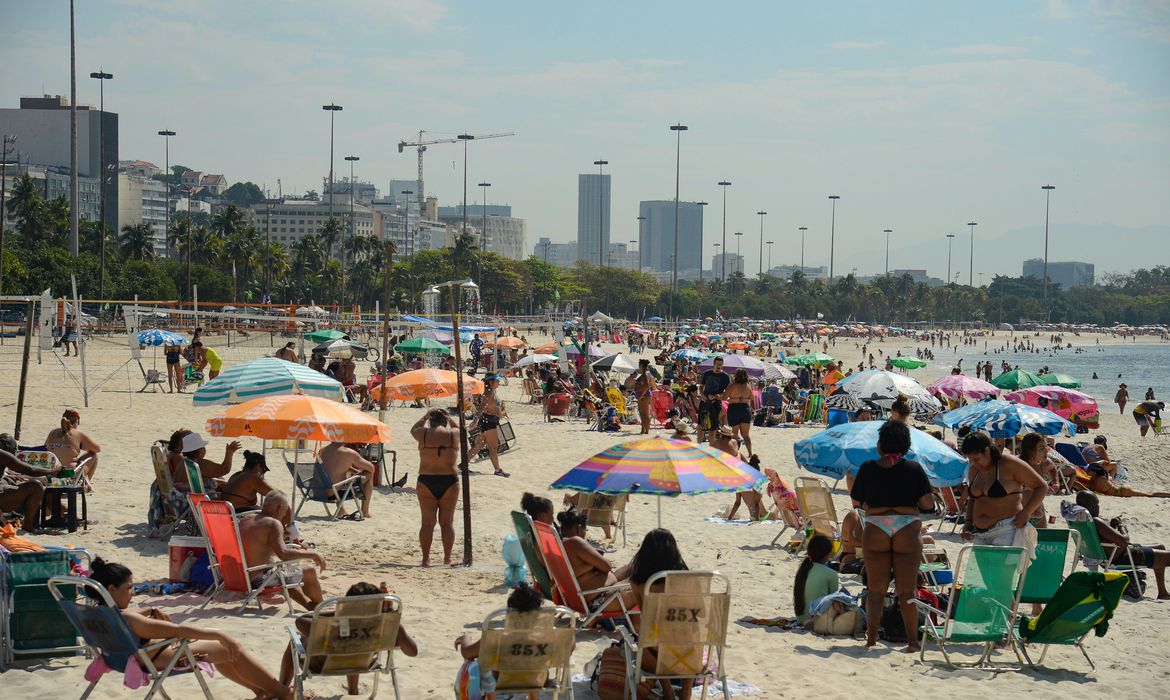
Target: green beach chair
x,y
32,624
982,606
194,476
1046,572
1084,603
1091,547
527,536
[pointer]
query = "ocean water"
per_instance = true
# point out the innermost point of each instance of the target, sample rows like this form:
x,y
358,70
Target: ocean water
x,y
1140,365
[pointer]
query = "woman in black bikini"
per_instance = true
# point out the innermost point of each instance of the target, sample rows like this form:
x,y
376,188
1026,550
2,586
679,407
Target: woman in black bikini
x,y
488,419
739,408
437,489
174,354
151,624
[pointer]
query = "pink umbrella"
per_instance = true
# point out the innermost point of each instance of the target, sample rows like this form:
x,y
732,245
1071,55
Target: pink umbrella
x,y
957,386
1074,405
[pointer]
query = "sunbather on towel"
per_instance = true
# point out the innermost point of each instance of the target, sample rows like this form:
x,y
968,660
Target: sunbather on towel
x,y
151,624
1153,556
262,535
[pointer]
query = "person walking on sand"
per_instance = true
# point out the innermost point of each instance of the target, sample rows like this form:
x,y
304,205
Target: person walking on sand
x,y
488,418
1121,397
644,392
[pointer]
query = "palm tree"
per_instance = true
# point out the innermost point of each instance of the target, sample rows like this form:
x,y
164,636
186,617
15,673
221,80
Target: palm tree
x,y
330,234
137,242
463,255
177,237
227,221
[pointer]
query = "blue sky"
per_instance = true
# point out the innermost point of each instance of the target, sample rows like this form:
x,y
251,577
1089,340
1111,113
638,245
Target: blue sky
x,y
921,115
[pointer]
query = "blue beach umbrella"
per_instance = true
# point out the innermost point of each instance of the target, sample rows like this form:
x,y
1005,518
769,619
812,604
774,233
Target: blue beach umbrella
x,y
689,355
843,448
157,336
1001,419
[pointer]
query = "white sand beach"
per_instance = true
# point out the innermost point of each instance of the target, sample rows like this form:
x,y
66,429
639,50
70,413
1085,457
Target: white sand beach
x,y
441,603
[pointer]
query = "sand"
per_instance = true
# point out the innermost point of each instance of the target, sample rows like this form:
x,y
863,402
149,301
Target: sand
x,y
441,603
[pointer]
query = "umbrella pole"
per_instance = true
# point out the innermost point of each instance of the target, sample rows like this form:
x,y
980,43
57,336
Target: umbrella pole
x,y
660,511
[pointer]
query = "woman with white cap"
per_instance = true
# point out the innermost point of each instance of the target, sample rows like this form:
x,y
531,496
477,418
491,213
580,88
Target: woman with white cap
x,y
184,445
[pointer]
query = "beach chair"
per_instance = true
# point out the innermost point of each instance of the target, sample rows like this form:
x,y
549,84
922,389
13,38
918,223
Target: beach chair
x,y
313,484
192,376
174,513
686,626
552,550
604,510
108,636
982,606
349,636
527,536
226,556
32,625
151,378
1084,603
1047,571
616,399
194,476
1109,556
661,404
816,509
530,651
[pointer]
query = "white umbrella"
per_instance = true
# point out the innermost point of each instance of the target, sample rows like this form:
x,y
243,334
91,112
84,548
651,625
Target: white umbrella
x,y
615,363
534,359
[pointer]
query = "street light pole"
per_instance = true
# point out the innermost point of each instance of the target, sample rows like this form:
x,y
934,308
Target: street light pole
x,y
770,256
888,231
641,245
950,240
268,249
738,255
352,223
483,232
333,110
412,233
637,244
701,210
762,215
101,76
167,134
723,261
464,138
677,129
601,211
1047,201
971,261
802,230
833,234
7,142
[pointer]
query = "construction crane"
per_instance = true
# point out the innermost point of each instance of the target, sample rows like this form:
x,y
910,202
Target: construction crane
x,y
422,144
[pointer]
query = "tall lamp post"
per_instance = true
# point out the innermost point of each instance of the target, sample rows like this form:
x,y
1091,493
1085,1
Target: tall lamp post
x,y
770,256
971,261
412,233
352,222
738,255
677,129
464,138
701,210
802,229
722,261
333,110
833,234
641,235
101,76
762,214
268,202
601,211
887,231
1047,201
950,240
723,265
167,134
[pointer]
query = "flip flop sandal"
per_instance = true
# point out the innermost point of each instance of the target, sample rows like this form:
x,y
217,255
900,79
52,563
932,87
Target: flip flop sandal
x,y
501,472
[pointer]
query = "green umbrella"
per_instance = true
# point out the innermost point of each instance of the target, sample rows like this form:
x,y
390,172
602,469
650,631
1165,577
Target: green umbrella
x,y
908,362
1061,380
423,345
812,358
323,335
1016,379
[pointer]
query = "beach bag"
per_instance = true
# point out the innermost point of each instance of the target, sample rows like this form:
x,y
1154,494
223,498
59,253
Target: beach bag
x,y
838,621
892,629
609,677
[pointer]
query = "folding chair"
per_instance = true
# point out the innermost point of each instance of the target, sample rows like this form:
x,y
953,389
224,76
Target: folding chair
x,y
33,625
107,635
950,512
982,606
686,626
525,533
314,484
531,651
567,588
173,508
229,568
1097,553
615,398
1046,573
1084,603
605,510
349,636
151,378
816,509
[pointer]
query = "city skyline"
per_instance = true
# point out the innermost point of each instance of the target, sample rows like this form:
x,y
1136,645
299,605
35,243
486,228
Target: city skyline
x,y
917,126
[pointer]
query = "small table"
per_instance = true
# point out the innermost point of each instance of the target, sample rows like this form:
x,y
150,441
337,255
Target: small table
x,y
65,516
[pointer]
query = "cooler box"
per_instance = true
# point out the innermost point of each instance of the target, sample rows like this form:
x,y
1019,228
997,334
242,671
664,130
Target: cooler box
x,y
184,552
558,404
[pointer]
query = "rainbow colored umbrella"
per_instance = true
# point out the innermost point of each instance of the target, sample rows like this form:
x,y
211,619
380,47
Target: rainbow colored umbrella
x,y
661,467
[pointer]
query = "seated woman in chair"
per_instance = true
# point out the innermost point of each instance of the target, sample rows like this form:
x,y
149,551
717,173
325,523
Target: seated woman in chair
x,y
185,445
230,657
522,599
245,488
659,552
590,568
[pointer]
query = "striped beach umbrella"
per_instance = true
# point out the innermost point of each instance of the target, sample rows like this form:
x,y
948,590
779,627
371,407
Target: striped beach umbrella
x,y
661,467
960,386
323,335
298,417
266,376
1001,419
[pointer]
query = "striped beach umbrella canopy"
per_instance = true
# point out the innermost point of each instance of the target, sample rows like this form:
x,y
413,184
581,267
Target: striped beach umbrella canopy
x,y
157,336
298,417
1001,419
689,355
840,450
959,386
809,359
266,376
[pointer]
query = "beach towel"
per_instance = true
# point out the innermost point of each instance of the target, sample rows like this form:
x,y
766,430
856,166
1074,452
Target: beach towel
x,y
135,677
784,623
12,543
737,521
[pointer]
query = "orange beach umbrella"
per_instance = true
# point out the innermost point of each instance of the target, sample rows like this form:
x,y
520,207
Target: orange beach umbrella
x,y
428,383
508,342
298,417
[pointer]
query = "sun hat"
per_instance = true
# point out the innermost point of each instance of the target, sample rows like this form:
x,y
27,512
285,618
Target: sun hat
x,y
726,430
492,377
192,442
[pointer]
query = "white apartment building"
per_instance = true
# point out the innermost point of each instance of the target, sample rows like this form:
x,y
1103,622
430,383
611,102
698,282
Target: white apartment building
x,y
293,219
141,199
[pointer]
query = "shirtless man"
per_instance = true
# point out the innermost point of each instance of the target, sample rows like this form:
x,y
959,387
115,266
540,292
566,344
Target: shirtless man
x,y
72,446
347,375
262,535
26,495
437,435
341,462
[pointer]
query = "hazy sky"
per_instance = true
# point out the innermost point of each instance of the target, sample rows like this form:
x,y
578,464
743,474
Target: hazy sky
x,y
922,116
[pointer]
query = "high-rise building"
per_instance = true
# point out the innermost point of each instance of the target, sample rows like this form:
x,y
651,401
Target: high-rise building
x,y
1066,274
41,128
621,257
559,254
657,238
725,264
143,200
593,198
293,219
494,227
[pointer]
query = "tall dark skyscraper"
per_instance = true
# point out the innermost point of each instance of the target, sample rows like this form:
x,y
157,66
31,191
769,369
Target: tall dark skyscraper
x,y
657,240
592,201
